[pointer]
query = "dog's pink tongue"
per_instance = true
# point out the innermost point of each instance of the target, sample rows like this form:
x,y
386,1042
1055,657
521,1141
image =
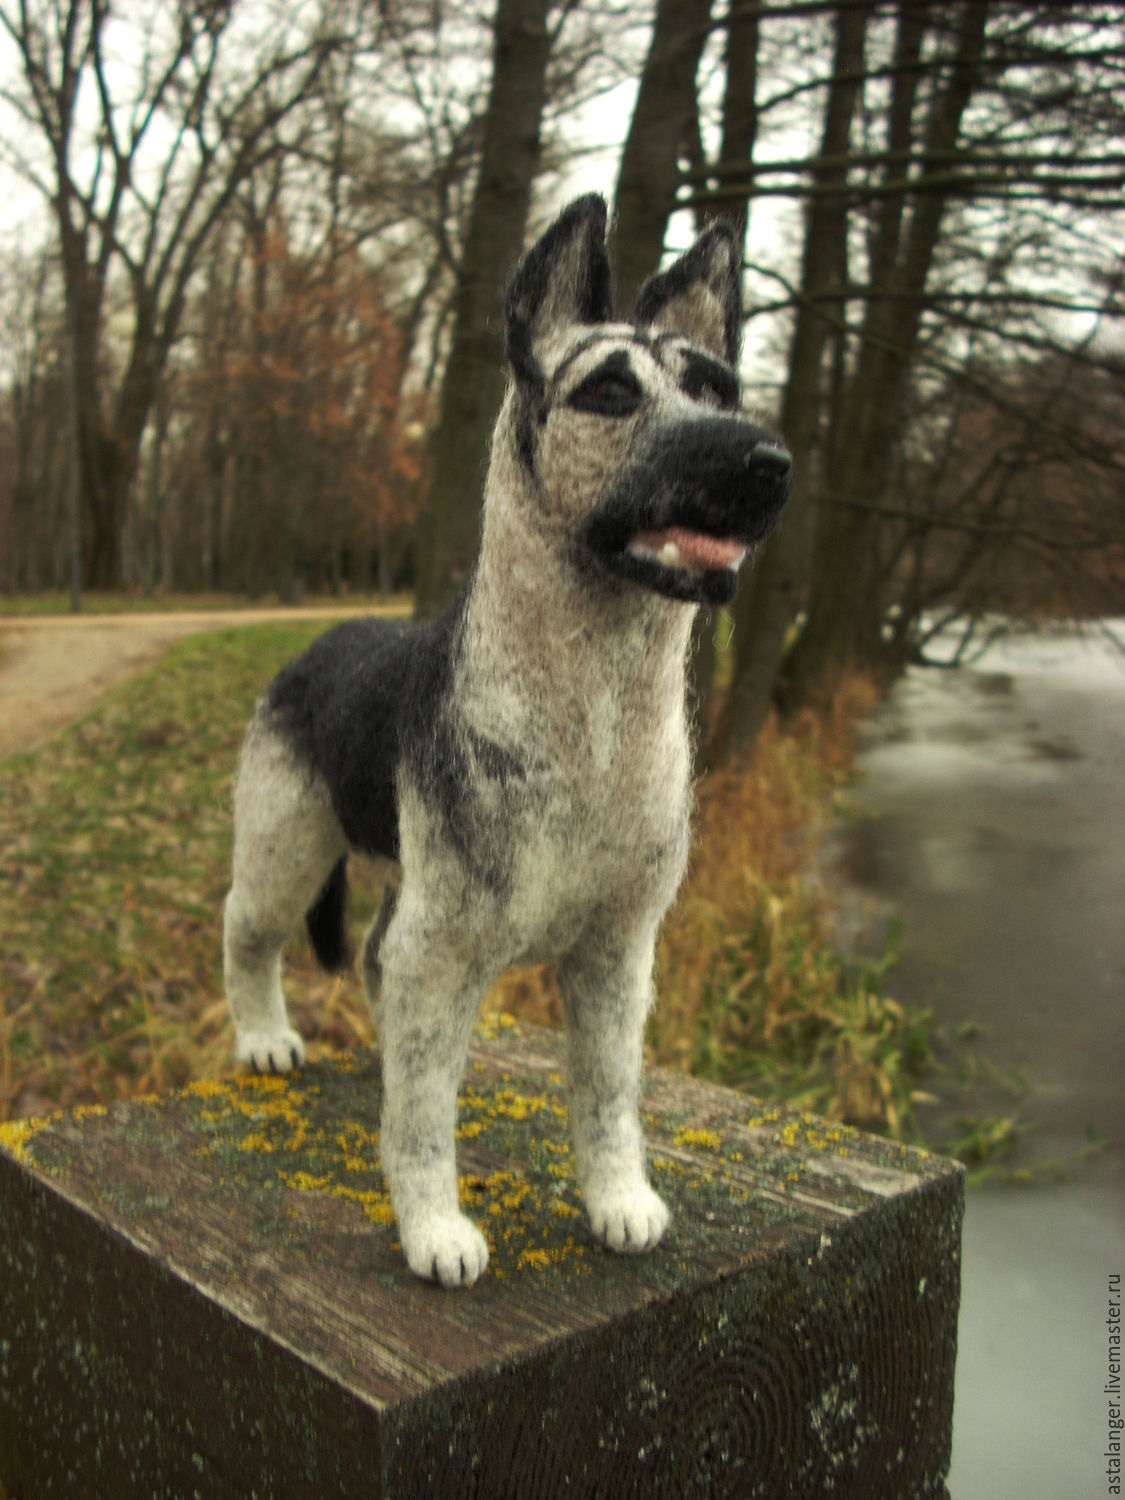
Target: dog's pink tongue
x,y
695,548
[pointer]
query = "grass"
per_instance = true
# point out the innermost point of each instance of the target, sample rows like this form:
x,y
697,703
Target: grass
x,y
114,857
114,852
52,602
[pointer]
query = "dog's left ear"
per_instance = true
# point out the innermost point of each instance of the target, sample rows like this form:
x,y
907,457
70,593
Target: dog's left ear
x,y
699,295
563,279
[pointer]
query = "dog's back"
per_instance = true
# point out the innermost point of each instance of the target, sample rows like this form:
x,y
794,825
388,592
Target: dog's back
x,y
347,706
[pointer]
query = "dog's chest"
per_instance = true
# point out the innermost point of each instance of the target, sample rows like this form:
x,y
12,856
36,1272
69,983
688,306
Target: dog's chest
x,y
588,713
599,825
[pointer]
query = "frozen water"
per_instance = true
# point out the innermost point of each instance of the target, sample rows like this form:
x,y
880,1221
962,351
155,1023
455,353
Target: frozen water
x,y
993,822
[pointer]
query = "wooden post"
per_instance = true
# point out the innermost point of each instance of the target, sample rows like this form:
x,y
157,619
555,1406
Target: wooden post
x,y
201,1295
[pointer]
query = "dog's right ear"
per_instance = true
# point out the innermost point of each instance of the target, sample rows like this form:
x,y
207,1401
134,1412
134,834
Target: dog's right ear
x,y
699,295
563,279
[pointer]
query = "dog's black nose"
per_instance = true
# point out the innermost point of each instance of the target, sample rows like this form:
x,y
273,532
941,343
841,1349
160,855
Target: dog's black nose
x,y
766,461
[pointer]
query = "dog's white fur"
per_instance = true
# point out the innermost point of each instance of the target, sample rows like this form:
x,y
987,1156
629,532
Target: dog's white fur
x,y
583,684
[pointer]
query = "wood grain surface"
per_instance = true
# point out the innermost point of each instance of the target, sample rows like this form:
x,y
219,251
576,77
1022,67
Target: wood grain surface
x,y
201,1294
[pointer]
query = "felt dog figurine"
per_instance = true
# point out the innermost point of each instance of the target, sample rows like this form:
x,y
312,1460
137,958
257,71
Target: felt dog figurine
x,y
524,759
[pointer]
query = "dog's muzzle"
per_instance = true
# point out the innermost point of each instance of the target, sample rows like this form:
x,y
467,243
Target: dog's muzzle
x,y
695,499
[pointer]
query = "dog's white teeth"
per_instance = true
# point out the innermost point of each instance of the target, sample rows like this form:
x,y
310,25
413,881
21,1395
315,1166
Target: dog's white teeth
x,y
677,547
655,549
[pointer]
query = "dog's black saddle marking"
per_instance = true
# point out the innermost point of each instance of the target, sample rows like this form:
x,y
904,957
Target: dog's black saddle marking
x,y
373,699
344,706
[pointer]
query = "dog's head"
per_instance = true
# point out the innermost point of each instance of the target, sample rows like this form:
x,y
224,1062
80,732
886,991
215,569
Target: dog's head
x,y
633,433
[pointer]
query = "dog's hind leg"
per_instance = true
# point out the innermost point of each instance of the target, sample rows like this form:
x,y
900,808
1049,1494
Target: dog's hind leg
x,y
606,988
428,983
287,841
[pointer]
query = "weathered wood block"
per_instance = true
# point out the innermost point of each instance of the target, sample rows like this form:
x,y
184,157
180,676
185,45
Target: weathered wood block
x,y
201,1295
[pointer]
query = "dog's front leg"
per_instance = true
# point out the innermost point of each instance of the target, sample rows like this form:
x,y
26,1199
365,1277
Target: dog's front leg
x,y
429,996
606,985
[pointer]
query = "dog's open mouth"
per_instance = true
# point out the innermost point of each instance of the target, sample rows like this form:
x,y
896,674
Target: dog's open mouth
x,y
691,508
680,560
689,551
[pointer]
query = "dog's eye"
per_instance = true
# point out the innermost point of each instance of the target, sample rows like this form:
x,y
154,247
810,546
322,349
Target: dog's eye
x,y
610,395
710,385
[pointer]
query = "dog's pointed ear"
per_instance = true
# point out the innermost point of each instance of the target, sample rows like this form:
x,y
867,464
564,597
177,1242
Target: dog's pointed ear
x,y
563,279
699,295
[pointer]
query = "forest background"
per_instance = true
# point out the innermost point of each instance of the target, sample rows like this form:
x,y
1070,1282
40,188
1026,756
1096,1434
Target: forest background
x,y
251,290
250,285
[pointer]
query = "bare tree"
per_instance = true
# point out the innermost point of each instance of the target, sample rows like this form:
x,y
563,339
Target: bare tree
x,y
661,131
32,494
139,164
473,380
950,179
962,209
771,597
903,247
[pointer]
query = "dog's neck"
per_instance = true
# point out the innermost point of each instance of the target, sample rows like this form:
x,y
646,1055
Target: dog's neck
x,y
545,633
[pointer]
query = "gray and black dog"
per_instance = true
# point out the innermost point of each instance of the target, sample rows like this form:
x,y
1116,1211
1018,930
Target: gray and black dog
x,y
524,760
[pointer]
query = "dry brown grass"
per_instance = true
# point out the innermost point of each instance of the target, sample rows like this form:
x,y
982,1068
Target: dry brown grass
x,y
756,837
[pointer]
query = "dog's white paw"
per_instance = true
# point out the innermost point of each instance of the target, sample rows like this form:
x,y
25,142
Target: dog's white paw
x,y
271,1051
627,1217
445,1247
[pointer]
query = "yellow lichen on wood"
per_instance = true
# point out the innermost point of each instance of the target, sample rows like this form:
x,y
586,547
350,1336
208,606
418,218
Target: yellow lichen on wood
x,y
539,1259
305,1182
711,1139
255,1143
16,1134
375,1203
521,1214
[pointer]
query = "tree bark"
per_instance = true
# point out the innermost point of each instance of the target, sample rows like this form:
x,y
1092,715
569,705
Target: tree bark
x,y
844,623
449,529
663,122
740,134
740,104
771,597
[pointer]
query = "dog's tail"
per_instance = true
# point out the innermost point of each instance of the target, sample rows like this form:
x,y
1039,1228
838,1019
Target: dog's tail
x,y
326,920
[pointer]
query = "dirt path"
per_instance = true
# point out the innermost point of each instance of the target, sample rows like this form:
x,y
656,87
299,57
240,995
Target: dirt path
x,y
54,668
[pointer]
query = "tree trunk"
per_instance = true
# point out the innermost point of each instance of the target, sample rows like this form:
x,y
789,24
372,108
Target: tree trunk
x,y
108,442
740,134
772,595
740,103
74,462
449,529
844,615
663,121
